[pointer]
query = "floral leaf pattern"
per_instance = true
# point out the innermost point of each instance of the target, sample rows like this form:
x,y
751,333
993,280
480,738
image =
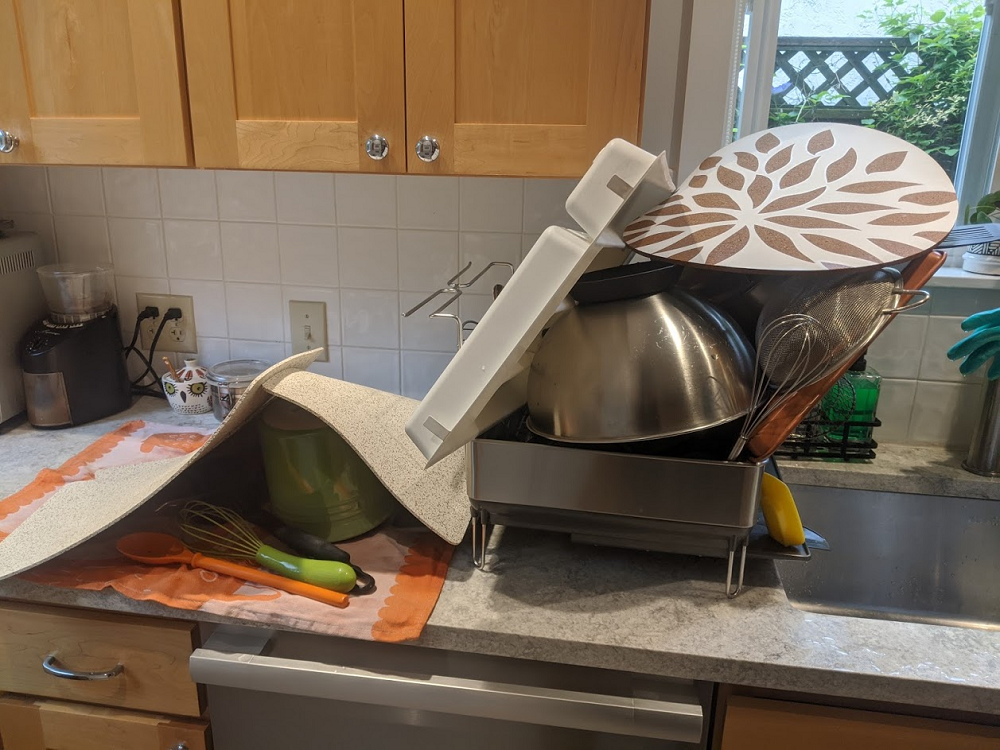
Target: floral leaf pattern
x,y
842,166
805,197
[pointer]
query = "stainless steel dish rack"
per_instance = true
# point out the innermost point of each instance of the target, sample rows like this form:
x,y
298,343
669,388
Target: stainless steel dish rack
x,y
677,505
612,498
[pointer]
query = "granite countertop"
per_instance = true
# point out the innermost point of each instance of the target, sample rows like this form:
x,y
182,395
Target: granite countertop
x,y
541,597
917,469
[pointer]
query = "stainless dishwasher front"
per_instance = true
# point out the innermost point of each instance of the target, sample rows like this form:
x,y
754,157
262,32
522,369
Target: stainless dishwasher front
x,y
292,690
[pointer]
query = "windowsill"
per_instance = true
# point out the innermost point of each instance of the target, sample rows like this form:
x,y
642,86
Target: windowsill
x,y
956,277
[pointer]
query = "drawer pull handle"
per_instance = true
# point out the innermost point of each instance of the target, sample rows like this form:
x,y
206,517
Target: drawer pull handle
x,y
8,142
53,667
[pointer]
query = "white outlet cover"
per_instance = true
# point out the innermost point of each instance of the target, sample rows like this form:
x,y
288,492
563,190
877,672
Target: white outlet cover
x,y
307,321
178,335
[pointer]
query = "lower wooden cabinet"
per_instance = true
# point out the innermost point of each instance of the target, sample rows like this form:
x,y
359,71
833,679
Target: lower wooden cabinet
x,y
765,724
150,656
40,724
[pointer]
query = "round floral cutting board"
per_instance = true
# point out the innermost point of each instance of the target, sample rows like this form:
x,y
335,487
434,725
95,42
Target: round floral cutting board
x,y
806,197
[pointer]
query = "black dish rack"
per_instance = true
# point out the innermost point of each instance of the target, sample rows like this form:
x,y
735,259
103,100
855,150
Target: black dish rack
x,y
822,438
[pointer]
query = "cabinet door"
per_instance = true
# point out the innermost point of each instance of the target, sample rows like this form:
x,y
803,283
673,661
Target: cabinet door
x,y
295,84
38,724
521,87
93,82
762,724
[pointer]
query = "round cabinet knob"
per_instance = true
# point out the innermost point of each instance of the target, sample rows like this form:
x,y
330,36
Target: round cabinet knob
x,y
377,147
8,142
428,149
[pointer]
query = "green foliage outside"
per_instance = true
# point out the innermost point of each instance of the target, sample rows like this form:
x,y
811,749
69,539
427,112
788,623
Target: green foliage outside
x,y
928,106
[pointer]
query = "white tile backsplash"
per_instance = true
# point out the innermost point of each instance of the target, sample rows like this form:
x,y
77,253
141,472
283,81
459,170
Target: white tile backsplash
x,y
250,251
269,351
895,404
254,312
942,334
334,239
132,193
188,194
246,196
76,190
545,204
897,351
210,317
24,189
370,318
427,259
491,204
366,200
420,370
480,248
305,198
367,258
945,413
376,368
137,247
83,239
427,202
419,331
308,255
212,350
194,249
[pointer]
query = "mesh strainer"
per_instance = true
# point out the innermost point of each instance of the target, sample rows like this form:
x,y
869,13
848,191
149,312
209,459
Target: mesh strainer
x,y
848,310
808,328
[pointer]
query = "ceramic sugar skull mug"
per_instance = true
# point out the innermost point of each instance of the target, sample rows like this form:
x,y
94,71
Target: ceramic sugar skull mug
x,y
188,393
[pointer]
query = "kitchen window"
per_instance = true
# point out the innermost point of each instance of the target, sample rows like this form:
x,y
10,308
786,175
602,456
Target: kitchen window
x,y
925,70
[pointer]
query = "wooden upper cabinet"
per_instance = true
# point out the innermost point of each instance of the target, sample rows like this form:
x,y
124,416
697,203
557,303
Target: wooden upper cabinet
x,y
295,84
93,82
522,87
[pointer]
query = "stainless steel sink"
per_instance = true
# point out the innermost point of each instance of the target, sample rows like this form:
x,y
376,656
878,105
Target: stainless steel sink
x,y
901,557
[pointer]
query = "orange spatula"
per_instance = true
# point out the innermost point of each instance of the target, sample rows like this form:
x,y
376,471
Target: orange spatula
x,y
154,548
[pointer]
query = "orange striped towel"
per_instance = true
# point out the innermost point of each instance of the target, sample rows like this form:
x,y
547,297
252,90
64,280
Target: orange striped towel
x,y
409,566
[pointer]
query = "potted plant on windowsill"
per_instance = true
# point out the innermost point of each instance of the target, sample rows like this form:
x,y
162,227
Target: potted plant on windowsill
x,y
985,257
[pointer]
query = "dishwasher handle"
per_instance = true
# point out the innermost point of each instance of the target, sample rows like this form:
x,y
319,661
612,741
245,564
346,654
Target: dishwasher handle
x,y
217,663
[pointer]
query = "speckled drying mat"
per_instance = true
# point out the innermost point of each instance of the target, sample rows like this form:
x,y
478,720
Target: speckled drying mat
x,y
408,565
66,507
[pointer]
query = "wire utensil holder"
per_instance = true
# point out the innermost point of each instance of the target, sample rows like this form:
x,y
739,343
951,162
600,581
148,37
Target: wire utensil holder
x,y
452,291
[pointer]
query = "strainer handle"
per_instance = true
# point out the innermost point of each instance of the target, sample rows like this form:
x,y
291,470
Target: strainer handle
x,y
920,296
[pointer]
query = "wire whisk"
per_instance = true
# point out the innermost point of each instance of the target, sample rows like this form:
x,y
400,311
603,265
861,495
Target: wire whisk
x,y
792,351
223,533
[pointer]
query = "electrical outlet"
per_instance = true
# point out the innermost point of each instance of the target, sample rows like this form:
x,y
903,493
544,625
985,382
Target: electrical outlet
x,y
178,335
308,324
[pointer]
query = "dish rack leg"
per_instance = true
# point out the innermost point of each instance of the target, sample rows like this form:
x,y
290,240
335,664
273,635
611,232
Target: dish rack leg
x,y
480,536
730,591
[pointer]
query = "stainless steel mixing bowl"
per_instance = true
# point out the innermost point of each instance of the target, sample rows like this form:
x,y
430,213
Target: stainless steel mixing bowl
x,y
639,369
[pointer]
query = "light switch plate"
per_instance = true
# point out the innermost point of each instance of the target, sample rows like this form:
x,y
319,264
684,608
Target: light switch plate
x,y
308,327
178,335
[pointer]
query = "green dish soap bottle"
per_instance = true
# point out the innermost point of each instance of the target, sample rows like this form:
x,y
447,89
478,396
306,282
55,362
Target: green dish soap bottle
x,y
853,399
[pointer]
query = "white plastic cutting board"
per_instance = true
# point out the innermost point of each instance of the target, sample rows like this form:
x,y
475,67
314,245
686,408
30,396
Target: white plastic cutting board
x,y
487,378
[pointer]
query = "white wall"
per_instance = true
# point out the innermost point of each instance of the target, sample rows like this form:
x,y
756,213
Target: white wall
x,y
245,243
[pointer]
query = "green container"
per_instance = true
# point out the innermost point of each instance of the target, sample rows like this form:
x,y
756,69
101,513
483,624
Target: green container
x,y
317,483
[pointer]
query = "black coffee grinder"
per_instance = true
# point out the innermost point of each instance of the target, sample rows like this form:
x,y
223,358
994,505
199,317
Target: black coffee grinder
x,y
73,360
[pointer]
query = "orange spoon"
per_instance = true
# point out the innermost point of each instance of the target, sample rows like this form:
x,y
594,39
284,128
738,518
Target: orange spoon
x,y
154,548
